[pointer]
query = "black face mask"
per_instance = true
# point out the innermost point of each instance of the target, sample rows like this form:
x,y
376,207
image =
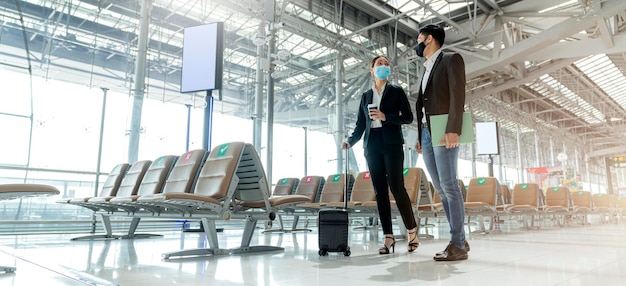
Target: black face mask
x,y
419,50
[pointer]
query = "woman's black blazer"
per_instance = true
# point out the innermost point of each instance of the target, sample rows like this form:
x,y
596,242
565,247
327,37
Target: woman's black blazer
x,y
395,105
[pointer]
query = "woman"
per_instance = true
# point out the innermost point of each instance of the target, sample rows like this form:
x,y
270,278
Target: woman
x,y
382,111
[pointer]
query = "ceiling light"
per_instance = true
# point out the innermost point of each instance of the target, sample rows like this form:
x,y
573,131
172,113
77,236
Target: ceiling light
x,y
259,41
283,53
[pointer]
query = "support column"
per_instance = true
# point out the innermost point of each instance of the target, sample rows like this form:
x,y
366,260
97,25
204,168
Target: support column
x,y
139,79
340,133
474,175
188,127
207,127
270,104
588,173
551,153
306,150
576,163
564,163
258,95
101,138
502,175
537,156
521,178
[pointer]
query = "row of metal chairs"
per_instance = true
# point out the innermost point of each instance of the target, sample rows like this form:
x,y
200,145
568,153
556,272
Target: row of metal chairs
x,y
361,196
226,183
485,197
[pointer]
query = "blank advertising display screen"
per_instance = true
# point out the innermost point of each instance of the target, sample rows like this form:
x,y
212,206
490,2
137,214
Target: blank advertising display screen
x,y
203,56
487,138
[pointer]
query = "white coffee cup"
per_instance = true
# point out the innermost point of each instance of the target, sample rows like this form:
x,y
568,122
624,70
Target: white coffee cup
x,y
372,106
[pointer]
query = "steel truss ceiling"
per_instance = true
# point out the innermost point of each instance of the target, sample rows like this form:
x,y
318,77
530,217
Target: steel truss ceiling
x,y
551,67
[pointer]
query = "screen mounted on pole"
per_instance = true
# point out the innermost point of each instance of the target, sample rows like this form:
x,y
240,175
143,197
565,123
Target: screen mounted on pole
x,y
487,138
203,56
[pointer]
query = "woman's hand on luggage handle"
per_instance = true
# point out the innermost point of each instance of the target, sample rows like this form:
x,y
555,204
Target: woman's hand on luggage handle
x,y
345,145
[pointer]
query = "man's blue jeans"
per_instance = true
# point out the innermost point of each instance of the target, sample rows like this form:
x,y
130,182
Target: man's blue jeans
x,y
441,164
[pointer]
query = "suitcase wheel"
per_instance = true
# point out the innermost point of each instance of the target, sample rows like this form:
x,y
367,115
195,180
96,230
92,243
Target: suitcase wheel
x,y
347,252
322,252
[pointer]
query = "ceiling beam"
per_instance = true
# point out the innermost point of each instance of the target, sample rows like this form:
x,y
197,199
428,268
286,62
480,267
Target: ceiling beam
x,y
608,151
580,49
515,82
523,49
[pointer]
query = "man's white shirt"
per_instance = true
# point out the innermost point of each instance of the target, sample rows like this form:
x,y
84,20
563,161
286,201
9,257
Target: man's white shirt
x,y
429,63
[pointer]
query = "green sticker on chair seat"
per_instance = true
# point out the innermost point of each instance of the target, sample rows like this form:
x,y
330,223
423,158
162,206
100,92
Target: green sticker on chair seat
x,y
283,181
580,193
223,149
482,181
405,172
524,187
336,178
555,189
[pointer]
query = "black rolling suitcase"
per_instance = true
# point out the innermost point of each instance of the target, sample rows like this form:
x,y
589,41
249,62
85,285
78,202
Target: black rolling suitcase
x,y
333,225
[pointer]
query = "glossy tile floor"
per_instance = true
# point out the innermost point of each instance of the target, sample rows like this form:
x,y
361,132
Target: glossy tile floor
x,y
593,254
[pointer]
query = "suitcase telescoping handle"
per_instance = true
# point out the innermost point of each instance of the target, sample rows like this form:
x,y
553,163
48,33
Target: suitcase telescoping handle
x,y
345,181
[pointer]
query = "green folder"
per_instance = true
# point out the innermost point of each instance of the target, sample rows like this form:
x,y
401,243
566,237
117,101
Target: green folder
x,y
438,128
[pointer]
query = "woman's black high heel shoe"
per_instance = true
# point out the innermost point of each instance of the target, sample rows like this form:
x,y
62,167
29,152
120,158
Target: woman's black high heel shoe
x,y
386,247
413,242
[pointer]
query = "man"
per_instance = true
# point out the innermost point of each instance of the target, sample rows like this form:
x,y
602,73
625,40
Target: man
x,y
442,91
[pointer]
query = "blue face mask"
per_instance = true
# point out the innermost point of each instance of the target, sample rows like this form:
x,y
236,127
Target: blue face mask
x,y
382,72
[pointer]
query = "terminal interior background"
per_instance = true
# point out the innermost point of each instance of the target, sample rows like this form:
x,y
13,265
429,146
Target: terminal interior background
x,y
74,103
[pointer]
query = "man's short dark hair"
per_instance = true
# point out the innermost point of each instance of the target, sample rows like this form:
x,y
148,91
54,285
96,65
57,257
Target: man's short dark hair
x,y
436,32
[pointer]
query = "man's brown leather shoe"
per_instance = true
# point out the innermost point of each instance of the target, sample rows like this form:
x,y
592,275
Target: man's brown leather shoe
x,y
467,247
451,253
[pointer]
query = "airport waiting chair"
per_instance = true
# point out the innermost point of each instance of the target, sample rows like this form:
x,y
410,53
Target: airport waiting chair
x,y
463,188
526,201
19,191
181,178
109,188
506,194
614,205
151,183
418,188
333,191
558,204
284,187
602,207
620,206
129,186
362,191
415,183
482,201
209,189
582,205
311,187
231,177
430,206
